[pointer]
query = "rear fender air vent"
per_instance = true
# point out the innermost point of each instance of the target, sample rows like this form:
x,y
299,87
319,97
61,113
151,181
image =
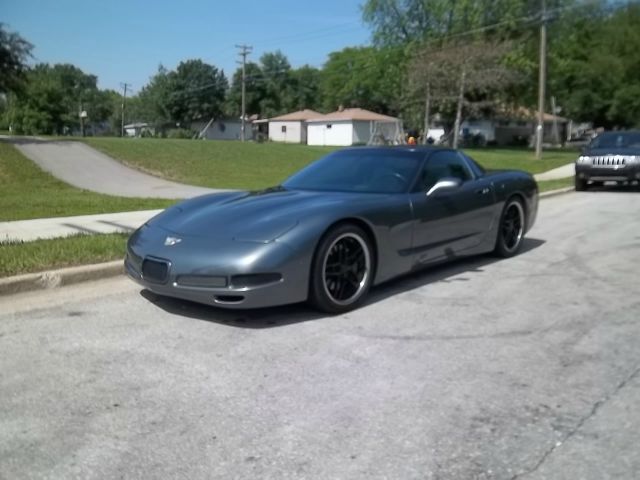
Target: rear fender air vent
x,y
254,280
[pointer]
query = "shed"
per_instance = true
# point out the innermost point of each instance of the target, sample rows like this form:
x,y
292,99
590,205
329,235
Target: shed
x,y
291,128
353,126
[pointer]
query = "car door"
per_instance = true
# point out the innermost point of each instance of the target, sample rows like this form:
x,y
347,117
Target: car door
x,y
449,221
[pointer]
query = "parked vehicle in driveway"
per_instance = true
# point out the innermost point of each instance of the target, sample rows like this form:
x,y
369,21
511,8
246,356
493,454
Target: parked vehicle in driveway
x,y
353,219
611,156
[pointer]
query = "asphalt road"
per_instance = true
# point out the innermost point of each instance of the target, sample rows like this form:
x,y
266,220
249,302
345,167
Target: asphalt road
x,y
84,167
484,369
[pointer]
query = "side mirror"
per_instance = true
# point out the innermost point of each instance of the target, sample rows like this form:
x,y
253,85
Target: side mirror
x,y
444,184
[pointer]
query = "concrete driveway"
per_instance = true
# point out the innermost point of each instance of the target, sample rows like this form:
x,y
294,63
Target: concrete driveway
x,y
84,167
527,368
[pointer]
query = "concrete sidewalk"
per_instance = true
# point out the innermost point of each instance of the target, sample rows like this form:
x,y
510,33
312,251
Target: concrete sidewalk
x,y
565,171
42,228
84,167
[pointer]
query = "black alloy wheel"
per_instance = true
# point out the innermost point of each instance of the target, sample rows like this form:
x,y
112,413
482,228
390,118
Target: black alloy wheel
x,y
511,229
342,269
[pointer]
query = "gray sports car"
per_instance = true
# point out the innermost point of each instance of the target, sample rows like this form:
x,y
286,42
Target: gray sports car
x,y
355,218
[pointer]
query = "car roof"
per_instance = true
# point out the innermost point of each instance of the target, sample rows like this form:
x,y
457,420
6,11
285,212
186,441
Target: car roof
x,y
404,148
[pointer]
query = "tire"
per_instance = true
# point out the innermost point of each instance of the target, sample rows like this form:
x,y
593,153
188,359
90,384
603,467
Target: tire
x,y
342,270
581,184
511,229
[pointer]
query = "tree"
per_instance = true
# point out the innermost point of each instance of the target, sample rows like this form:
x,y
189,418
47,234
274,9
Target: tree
x,y
365,77
278,85
594,66
52,99
462,77
195,90
255,91
14,53
306,89
398,22
150,105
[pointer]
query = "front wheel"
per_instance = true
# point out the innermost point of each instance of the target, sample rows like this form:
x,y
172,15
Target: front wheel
x,y
511,229
581,184
342,270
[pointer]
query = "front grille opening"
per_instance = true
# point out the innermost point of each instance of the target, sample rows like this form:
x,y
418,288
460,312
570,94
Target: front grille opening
x,y
255,280
201,281
228,298
155,271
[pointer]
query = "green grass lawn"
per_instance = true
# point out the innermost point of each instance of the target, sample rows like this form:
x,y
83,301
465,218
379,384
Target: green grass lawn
x,y
499,158
228,164
548,185
216,164
17,258
27,192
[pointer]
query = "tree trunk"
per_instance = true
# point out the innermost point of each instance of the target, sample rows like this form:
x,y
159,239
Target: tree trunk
x,y
427,108
456,125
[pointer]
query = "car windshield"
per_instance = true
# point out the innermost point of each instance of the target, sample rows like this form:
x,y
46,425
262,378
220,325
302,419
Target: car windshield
x,y
359,170
617,140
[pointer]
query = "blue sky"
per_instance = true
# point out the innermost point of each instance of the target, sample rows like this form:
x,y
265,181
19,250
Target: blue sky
x,y
126,40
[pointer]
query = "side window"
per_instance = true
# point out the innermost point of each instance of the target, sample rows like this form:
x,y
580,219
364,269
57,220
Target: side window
x,y
477,169
442,165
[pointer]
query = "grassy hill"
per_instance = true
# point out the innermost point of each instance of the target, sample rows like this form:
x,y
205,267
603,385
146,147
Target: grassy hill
x,y
28,192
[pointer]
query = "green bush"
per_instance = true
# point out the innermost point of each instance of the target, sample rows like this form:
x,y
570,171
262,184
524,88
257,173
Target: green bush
x,y
180,133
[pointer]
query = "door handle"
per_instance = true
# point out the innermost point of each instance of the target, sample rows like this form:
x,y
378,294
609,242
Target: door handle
x,y
483,191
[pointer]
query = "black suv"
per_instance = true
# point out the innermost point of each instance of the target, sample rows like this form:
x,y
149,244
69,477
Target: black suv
x,y
611,156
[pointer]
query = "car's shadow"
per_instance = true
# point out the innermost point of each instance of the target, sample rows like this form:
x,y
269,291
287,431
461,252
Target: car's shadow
x,y
301,312
608,187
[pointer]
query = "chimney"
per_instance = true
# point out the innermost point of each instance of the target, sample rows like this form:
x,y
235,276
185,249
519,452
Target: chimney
x,y
341,108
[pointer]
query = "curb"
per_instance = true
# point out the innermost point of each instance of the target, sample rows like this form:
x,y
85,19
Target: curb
x,y
59,278
553,193
69,276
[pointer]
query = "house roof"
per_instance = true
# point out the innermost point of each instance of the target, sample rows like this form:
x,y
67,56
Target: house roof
x,y
527,114
299,116
353,114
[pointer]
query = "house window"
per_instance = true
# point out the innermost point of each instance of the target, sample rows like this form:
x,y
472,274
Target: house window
x,y
328,126
283,129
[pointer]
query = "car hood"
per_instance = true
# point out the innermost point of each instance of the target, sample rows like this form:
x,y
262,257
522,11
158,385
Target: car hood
x,y
596,152
245,216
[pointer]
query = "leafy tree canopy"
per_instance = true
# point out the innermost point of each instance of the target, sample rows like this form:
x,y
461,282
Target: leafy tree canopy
x,y
14,53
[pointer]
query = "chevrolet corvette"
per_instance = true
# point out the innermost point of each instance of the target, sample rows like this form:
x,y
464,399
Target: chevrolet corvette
x,y
351,220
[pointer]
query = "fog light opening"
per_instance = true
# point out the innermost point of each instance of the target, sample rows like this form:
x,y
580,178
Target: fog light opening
x,y
228,298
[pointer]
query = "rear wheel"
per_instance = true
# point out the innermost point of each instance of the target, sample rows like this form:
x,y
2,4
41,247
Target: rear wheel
x,y
342,269
511,229
581,184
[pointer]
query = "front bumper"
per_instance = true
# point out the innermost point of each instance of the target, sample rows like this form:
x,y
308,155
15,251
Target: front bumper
x,y
208,270
600,173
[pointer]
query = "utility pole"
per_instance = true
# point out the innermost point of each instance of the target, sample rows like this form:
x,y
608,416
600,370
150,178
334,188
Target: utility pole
x,y
244,51
124,99
542,80
556,133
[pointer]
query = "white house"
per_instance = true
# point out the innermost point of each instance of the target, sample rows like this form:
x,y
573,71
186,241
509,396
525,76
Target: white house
x,y
291,128
351,126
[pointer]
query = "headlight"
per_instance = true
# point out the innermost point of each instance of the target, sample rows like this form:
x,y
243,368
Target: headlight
x,y
583,159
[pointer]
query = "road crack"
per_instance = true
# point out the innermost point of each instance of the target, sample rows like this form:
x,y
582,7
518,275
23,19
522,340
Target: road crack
x,y
594,410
